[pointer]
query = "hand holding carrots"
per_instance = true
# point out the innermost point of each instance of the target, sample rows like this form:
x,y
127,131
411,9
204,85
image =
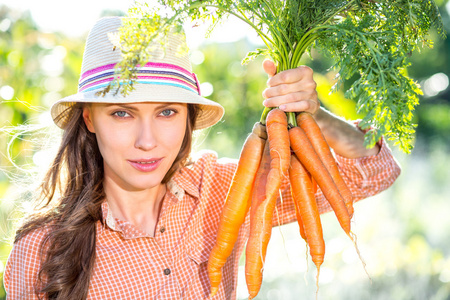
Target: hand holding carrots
x,y
291,90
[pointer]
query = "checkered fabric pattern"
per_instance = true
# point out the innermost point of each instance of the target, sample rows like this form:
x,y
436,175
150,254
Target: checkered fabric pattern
x,y
130,264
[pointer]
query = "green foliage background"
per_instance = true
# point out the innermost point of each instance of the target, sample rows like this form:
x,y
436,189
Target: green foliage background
x,y
403,234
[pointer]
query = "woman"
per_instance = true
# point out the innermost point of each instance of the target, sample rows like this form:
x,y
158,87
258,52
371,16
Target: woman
x,y
123,215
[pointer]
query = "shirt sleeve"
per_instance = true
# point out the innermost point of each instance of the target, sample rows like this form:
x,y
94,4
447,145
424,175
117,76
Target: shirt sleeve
x,y
365,177
22,267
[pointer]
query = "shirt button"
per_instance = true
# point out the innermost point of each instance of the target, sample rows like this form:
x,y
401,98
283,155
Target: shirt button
x,y
166,271
162,229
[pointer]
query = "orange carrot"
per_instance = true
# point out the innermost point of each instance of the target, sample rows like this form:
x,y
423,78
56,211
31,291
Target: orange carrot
x,y
314,183
305,152
308,124
280,152
262,209
237,204
253,260
259,186
296,199
303,196
318,142
301,226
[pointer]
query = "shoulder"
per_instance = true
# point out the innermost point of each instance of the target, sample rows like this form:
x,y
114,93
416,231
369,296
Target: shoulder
x,y
210,157
206,164
34,237
29,246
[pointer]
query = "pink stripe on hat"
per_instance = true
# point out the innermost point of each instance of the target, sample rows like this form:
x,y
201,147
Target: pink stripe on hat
x,y
96,70
158,71
168,66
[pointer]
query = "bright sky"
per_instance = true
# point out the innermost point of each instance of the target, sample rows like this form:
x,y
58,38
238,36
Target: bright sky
x,y
70,17
76,17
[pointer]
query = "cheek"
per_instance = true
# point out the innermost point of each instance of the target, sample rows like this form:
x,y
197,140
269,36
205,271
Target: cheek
x,y
173,137
112,142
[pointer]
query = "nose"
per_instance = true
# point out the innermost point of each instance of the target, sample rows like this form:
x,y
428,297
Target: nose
x,y
145,138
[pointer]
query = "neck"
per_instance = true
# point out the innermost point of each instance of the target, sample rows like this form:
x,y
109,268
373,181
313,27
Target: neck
x,y
141,208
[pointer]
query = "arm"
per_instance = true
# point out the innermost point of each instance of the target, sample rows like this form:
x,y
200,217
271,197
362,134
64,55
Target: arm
x,y
344,137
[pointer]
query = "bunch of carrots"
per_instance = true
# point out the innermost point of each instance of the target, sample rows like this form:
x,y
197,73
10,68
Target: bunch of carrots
x,y
275,151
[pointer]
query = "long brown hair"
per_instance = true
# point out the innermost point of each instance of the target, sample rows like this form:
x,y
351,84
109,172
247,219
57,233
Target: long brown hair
x,y
70,199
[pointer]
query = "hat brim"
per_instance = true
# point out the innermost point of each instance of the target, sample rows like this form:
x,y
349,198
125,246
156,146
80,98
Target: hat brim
x,y
210,112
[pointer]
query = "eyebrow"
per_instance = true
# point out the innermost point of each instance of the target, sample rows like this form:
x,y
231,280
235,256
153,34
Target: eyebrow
x,y
130,107
168,104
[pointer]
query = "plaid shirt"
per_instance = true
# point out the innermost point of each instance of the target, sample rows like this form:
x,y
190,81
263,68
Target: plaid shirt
x,y
131,264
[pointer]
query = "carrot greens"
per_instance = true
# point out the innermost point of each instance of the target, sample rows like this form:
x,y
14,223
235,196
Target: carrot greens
x,y
367,39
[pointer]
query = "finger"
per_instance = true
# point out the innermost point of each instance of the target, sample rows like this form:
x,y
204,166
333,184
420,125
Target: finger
x,y
290,76
310,106
306,85
290,98
269,67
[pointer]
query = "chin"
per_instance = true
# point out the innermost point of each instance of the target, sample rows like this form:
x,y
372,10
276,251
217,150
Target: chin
x,y
146,184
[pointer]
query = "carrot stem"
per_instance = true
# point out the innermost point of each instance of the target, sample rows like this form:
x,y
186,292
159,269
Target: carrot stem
x,y
292,121
264,115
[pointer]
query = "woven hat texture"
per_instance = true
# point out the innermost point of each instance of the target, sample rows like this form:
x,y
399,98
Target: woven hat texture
x,y
167,77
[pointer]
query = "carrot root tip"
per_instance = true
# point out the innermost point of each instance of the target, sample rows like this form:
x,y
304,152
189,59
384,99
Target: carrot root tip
x,y
213,292
317,282
353,238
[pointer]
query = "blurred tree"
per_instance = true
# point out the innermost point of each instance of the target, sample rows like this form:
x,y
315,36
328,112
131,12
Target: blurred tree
x,y
36,68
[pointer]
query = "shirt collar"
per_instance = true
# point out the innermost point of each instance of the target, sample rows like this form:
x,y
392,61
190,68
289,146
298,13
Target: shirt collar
x,y
107,216
178,185
127,230
181,182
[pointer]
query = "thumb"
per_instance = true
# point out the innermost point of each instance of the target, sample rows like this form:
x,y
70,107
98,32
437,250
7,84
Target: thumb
x,y
269,67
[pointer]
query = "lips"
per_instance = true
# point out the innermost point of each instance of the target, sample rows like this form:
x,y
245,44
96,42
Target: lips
x,y
146,165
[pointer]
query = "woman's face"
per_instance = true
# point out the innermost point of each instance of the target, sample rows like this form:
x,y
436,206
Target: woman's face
x,y
138,141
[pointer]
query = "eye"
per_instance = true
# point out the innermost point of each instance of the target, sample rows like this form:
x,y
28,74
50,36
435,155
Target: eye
x,y
121,114
167,112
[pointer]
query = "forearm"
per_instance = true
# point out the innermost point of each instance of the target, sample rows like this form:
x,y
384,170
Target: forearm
x,y
343,137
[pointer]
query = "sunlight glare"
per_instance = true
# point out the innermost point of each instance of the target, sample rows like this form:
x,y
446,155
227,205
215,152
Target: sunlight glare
x,y
435,84
206,89
6,92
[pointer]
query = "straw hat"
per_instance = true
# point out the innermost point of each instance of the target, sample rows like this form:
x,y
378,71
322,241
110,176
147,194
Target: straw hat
x,y
167,77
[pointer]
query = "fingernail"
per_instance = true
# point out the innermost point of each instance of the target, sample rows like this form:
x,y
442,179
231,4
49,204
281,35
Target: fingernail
x,y
282,107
